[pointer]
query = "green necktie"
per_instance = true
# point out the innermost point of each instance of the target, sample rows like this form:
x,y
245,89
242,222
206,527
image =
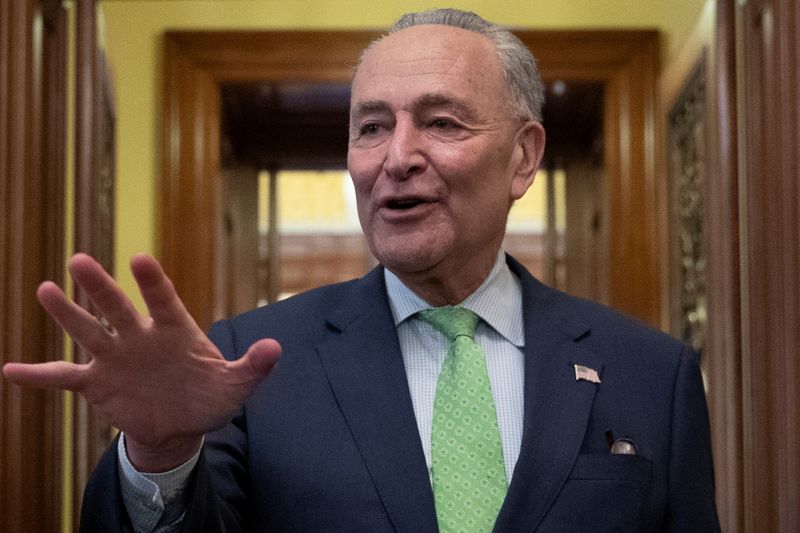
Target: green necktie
x,y
469,476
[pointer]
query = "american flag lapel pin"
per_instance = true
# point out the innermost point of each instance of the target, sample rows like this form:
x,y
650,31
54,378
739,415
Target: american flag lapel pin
x,y
587,374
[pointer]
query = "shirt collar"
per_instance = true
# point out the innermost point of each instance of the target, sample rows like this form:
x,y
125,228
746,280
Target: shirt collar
x,y
498,301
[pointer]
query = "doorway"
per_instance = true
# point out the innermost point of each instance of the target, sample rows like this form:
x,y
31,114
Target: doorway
x,y
289,220
199,64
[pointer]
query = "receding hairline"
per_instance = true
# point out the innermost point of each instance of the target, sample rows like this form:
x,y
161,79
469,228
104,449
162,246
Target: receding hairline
x,y
492,49
517,63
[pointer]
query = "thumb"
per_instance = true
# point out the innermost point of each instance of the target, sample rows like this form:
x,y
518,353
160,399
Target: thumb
x,y
261,357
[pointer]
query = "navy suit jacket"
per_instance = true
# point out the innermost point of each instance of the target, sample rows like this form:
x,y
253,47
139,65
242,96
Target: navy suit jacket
x,y
329,441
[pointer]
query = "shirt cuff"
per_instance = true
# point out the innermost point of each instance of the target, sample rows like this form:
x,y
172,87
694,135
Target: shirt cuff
x,y
148,497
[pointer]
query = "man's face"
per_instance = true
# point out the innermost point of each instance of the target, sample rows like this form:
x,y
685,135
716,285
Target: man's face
x,y
435,155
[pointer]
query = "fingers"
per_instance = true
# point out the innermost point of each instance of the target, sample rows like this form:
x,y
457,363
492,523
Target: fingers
x,y
259,359
52,375
76,321
104,293
158,292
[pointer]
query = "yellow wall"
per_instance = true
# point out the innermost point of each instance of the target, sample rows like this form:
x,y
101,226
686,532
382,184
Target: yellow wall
x,y
132,39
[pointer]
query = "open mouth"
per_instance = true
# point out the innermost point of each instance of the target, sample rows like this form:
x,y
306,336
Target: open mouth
x,y
403,204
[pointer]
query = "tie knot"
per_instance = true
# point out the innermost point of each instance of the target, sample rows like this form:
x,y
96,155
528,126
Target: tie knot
x,y
451,321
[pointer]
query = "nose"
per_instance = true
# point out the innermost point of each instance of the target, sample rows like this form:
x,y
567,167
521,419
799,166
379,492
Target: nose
x,y
405,155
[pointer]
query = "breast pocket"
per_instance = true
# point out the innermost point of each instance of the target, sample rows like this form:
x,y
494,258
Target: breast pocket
x,y
604,493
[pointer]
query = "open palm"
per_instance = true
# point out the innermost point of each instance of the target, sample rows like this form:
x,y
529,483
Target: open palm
x,y
158,378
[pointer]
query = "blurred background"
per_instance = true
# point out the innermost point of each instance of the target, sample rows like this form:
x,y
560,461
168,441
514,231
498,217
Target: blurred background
x,y
213,134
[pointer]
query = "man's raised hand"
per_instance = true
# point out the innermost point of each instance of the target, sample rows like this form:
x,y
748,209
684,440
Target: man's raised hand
x,y
158,378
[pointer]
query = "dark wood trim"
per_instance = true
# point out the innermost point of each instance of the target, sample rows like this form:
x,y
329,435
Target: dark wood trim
x,y
190,186
770,179
83,457
31,249
90,433
722,359
196,62
54,135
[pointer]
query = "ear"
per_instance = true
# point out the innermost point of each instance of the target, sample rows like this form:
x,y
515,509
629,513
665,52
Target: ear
x,y
528,152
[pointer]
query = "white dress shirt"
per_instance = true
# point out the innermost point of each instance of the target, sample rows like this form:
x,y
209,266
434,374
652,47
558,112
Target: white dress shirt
x,y
500,332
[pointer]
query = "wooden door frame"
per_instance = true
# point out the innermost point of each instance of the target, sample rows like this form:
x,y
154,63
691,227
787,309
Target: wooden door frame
x,y
197,62
768,34
32,172
93,218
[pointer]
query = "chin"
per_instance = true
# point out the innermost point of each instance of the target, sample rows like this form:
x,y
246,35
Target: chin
x,y
408,260
411,251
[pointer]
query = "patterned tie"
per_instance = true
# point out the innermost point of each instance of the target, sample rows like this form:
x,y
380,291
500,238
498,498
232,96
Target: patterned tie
x,y
469,476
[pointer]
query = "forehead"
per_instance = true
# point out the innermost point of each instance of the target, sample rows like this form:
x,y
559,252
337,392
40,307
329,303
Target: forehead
x,y
430,58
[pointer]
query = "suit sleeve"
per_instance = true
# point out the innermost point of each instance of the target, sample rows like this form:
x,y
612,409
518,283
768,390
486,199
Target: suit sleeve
x,y
218,500
103,509
691,475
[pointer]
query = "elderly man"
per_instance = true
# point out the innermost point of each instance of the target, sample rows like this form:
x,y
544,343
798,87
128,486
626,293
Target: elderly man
x,y
447,389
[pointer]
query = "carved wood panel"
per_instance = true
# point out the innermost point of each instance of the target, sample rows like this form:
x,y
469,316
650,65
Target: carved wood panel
x,y
688,185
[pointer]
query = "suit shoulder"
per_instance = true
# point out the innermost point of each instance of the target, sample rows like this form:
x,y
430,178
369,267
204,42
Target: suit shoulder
x,y
631,349
298,319
618,324
583,319
605,330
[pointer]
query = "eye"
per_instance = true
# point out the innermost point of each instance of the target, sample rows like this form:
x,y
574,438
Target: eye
x,y
444,125
369,128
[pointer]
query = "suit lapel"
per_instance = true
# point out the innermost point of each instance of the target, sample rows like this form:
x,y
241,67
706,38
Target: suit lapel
x,y
365,368
557,406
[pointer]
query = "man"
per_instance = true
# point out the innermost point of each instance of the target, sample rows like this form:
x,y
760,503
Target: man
x,y
553,414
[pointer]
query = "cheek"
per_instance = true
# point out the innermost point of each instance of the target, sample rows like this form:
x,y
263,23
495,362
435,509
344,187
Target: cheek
x,y
487,193
363,189
362,172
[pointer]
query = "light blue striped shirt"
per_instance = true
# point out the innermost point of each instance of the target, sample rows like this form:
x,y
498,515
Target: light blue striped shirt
x,y
155,499
500,332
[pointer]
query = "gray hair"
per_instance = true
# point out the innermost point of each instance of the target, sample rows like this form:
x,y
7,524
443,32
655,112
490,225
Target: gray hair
x,y
518,64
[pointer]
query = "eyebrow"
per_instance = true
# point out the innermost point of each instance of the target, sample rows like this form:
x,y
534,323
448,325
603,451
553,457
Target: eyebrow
x,y
426,102
368,106
447,101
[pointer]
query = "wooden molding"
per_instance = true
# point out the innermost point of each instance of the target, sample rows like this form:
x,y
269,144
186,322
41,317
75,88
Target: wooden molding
x,y
93,220
31,249
770,181
723,357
